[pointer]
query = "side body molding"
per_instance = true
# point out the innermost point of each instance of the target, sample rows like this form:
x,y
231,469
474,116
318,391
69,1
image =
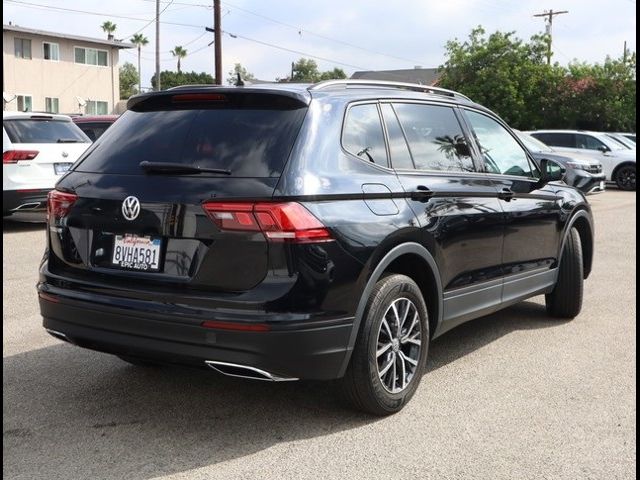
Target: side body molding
x,y
394,253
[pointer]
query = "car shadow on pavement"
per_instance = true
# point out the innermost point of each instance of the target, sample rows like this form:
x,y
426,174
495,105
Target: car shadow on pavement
x,y
25,224
74,413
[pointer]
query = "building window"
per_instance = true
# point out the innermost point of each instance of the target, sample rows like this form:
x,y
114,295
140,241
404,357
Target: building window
x,y
51,105
95,107
25,103
22,47
51,51
91,56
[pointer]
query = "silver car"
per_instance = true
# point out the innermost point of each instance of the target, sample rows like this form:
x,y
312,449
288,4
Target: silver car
x,y
618,161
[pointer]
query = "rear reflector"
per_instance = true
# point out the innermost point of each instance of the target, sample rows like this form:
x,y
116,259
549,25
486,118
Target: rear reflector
x,y
59,203
13,156
49,298
279,222
240,327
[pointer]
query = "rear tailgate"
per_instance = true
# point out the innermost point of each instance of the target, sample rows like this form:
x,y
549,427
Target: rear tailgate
x,y
93,239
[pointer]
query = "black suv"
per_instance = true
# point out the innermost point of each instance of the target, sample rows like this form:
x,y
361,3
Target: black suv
x,y
290,232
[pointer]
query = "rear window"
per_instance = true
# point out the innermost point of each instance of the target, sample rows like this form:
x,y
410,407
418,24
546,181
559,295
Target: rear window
x,y
250,142
94,130
43,131
567,140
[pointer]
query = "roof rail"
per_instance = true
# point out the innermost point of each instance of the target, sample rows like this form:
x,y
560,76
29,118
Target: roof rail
x,y
385,84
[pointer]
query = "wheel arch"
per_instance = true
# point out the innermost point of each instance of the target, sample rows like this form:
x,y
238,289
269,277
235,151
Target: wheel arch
x,y
583,222
415,261
626,163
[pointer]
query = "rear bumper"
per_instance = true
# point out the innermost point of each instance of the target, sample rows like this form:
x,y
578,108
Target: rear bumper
x,y
306,350
24,200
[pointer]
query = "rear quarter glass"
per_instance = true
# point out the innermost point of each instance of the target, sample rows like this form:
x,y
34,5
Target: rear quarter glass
x,y
250,142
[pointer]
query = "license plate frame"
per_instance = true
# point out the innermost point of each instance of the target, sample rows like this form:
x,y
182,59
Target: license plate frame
x,y
137,253
61,168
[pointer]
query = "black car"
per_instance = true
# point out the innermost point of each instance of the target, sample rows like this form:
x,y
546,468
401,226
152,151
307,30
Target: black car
x,y
584,173
290,232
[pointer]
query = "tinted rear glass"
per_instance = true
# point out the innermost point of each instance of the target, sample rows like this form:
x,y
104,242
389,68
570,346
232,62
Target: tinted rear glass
x,y
567,140
250,142
43,131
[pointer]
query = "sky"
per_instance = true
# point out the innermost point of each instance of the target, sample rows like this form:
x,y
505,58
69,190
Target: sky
x,y
266,36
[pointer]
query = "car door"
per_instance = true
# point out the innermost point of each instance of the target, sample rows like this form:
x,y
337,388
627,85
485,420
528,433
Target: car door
x,y
456,206
532,210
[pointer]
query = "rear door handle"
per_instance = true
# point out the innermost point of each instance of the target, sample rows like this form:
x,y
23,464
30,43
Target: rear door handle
x,y
421,193
506,194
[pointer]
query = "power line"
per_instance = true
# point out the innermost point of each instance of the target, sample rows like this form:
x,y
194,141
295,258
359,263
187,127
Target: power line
x,y
232,35
149,23
549,22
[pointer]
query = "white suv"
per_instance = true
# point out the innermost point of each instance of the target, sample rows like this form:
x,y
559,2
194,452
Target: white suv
x,y
37,148
618,161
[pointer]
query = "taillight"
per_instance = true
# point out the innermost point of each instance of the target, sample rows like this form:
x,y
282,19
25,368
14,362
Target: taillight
x,y
13,156
59,203
280,222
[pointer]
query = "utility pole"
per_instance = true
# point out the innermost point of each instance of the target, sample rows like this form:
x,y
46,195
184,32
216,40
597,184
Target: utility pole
x,y
158,86
549,23
624,53
217,40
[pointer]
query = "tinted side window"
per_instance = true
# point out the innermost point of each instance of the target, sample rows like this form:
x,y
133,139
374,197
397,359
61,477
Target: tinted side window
x,y
363,136
501,152
435,137
566,140
400,156
588,142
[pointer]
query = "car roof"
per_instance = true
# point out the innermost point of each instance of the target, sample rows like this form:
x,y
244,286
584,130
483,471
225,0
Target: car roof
x,y
587,132
304,92
95,118
37,115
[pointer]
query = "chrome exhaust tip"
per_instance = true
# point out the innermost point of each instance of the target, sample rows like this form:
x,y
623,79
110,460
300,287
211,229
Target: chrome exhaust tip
x,y
244,371
59,335
28,206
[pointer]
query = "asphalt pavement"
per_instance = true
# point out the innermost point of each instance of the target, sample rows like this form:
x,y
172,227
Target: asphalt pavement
x,y
514,395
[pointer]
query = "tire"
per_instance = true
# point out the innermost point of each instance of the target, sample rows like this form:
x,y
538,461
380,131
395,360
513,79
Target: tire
x,y
626,177
363,386
139,362
565,301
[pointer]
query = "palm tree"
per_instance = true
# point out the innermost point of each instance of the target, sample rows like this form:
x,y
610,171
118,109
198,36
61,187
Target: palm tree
x,y
180,53
140,40
109,27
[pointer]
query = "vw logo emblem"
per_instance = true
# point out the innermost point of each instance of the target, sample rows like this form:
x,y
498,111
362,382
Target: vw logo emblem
x,y
65,154
131,208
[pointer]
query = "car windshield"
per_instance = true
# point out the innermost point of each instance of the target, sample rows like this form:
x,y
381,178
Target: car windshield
x,y
29,130
622,140
533,144
250,142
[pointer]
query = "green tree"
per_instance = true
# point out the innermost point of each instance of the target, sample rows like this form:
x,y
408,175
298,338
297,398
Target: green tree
x,y
109,28
140,41
244,74
335,74
305,70
128,79
511,77
179,53
170,79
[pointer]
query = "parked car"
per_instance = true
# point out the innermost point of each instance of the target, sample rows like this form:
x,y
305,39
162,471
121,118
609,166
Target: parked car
x,y
94,125
630,136
625,141
582,172
286,232
618,162
37,148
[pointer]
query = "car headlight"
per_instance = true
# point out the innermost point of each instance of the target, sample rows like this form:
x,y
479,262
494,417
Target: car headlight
x,y
578,166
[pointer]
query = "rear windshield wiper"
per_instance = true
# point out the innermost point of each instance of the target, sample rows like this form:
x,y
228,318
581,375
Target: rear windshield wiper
x,y
179,168
67,140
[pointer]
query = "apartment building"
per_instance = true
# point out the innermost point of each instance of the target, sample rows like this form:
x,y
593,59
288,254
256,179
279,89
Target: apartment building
x,y
59,73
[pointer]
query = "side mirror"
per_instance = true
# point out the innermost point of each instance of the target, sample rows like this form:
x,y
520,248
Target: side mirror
x,y
604,148
551,171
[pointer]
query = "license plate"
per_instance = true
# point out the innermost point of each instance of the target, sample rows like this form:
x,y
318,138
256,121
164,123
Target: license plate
x,y
136,253
60,168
